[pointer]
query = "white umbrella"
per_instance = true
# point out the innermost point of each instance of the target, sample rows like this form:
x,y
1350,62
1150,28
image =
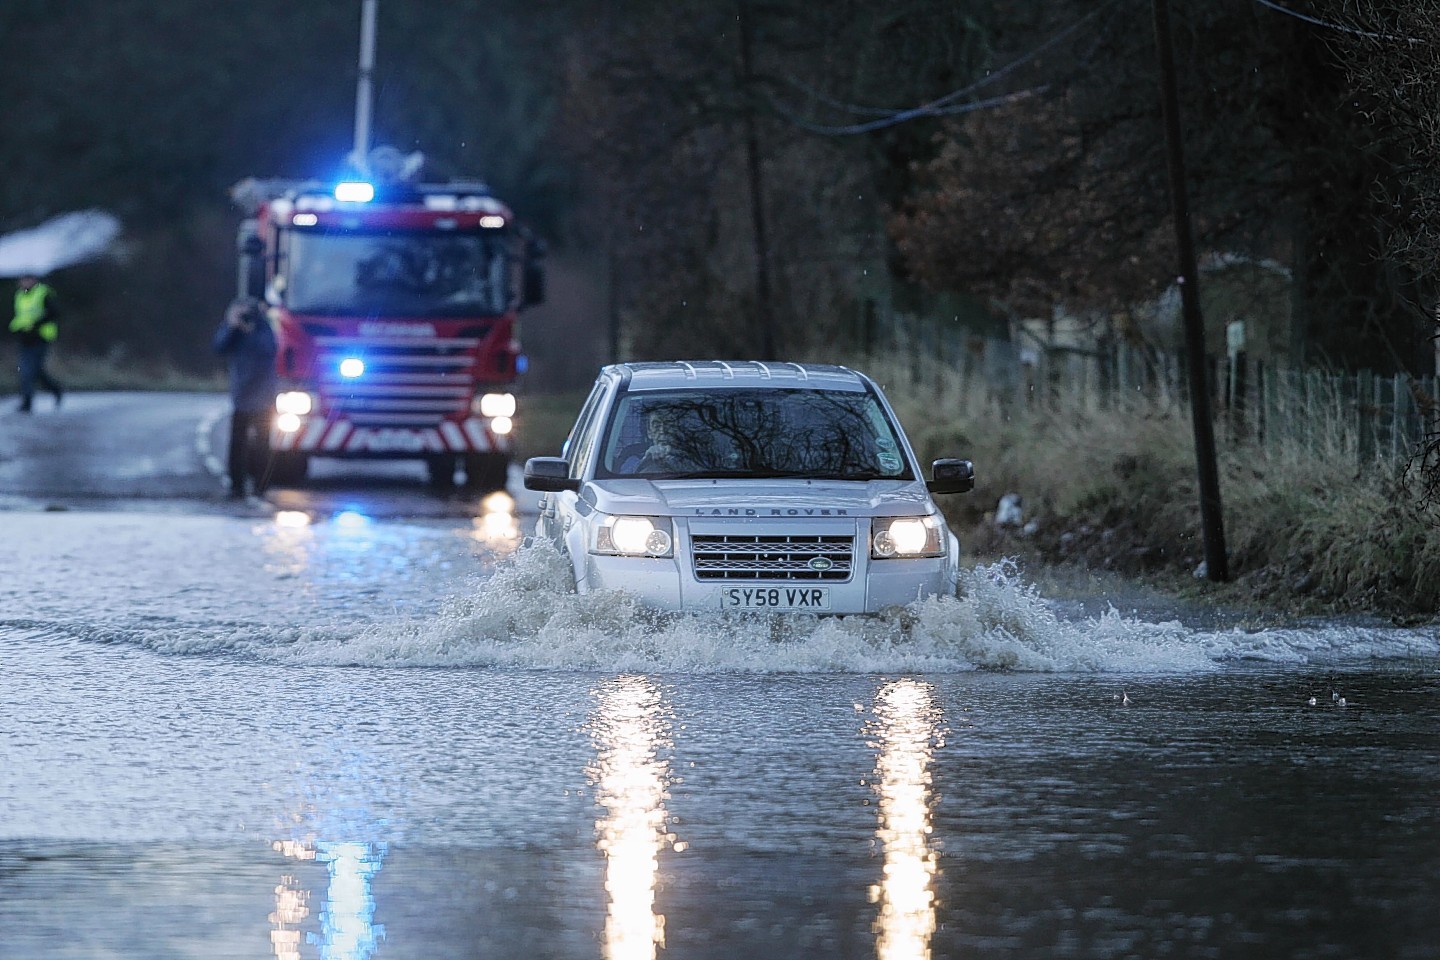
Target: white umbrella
x,y
59,242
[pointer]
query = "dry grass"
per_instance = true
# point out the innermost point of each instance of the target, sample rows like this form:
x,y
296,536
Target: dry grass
x,y
116,370
1306,526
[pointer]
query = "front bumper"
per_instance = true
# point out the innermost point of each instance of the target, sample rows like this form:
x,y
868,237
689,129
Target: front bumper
x,y
671,583
342,438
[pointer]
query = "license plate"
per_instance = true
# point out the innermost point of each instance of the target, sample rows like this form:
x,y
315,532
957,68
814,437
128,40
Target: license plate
x,y
775,598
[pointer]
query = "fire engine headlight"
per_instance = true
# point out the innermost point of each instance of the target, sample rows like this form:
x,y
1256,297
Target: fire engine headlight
x,y
494,405
501,426
296,402
905,537
635,537
287,423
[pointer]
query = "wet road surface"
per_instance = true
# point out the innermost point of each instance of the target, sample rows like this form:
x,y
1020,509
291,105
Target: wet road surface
x,y
341,726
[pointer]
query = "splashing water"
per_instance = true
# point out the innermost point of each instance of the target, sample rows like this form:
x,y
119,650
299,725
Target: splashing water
x,y
528,616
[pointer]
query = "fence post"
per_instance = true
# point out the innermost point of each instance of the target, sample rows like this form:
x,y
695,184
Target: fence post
x,y
1364,425
915,375
1313,387
1237,388
1430,423
1399,417
1293,400
1377,406
1262,374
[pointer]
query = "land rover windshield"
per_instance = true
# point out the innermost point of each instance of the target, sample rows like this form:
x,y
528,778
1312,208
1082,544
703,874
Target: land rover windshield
x,y
754,434
396,273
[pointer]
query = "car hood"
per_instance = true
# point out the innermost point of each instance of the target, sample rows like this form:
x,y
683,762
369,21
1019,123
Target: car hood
x,y
760,498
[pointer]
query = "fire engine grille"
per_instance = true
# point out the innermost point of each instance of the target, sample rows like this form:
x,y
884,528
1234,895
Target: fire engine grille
x,y
735,557
406,382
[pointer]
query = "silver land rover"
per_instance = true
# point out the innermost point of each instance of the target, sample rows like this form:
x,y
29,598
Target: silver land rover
x,y
747,486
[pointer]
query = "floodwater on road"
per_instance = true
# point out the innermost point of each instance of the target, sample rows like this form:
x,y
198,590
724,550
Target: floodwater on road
x,y
301,736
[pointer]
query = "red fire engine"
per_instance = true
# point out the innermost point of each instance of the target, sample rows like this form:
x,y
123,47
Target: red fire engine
x,y
395,307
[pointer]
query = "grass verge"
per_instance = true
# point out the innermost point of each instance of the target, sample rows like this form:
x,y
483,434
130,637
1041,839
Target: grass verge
x,y
1308,528
116,370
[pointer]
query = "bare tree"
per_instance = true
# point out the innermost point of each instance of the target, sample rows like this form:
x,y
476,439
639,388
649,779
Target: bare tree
x,y
1392,53
1060,196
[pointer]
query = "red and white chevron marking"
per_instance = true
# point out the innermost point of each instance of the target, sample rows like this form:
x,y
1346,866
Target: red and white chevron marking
x,y
336,438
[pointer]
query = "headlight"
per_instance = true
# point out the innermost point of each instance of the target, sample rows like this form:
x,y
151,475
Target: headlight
x,y
905,537
297,402
635,537
494,405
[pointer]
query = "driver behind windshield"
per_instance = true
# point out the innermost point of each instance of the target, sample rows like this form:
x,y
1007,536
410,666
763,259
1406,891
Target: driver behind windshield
x,y
664,451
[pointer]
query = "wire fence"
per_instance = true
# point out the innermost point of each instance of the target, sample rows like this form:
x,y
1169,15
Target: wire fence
x,y
1369,417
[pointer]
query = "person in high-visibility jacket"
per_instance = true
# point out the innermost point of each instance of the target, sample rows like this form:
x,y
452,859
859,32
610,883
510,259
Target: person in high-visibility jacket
x,y
35,325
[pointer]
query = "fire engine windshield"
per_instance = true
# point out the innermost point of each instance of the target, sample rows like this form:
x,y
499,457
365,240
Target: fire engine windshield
x,y
397,274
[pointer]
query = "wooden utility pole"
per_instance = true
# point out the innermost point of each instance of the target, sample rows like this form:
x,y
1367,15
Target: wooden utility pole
x,y
1212,521
764,305
364,89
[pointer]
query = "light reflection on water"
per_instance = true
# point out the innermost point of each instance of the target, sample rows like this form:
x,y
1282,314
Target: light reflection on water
x,y
289,544
292,903
351,520
347,919
497,525
631,730
906,729
292,519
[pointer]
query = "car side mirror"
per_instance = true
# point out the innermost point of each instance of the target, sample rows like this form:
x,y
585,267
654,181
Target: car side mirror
x,y
951,476
549,474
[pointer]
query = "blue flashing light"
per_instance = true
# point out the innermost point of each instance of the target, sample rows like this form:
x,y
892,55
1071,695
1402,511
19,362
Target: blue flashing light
x,y
354,191
350,519
352,367
522,363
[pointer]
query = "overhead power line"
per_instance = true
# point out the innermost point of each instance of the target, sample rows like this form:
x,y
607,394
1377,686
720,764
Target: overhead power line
x,y
902,116
1339,27
941,106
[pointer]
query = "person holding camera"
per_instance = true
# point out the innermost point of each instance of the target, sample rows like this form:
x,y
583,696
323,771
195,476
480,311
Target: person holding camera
x,y
247,342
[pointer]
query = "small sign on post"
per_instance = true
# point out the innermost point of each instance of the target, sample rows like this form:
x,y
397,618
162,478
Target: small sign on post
x,y
1235,338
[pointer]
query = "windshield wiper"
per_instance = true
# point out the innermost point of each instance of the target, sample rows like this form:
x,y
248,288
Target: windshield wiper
x,y
721,474
858,475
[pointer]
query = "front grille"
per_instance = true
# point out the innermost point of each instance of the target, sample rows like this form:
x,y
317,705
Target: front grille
x,y
407,382
735,557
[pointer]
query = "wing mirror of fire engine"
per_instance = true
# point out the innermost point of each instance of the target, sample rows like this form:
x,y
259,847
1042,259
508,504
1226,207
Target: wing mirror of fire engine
x,y
532,277
549,474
